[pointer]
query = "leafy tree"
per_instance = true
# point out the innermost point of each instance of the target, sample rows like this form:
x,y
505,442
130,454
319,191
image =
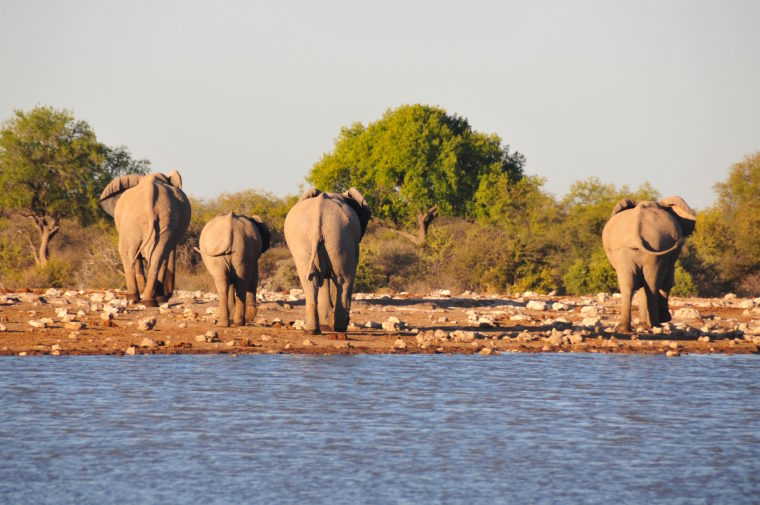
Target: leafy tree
x,y
415,163
726,240
53,167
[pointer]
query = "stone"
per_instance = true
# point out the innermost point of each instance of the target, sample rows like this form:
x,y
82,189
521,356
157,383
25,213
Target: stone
x,y
555,338
60,313
47,320
308,343
96,298
704,338
559,306
3,328
148,342
106,316
372,324
189,313
182,325
441,334
519,317
575,338
391,326
200,338
212,336
22,353
55,347
486,351
686,313
672,354
299,324
37,324
399,344
146,324
590,321
463,336
266,338
229,343
74,325
131,350
589,310
536,305
444,293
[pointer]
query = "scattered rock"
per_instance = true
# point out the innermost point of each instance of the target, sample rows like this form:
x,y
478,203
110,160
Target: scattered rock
x,y
37,324
74,325
148,342
146,324
299,324
230,343
391,326
372,324
399,344
486,351
536,305
463,336
131,350
672,354
686,313
200,338
308,343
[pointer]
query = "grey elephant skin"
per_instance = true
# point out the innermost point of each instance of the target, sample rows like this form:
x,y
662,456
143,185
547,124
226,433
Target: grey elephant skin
x,y
152,214
323,231
230,245
642,241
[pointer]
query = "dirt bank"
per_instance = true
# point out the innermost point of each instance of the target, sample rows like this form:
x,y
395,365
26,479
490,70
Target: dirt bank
x,y
64,322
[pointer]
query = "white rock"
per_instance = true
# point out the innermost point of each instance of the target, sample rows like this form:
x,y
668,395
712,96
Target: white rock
x,y
47,320
299,324
130,350
590,321
308,342
536,305
3,328
52,292
106,316
589,310
463,336
394,319
558,306
399,344
686,313
520,317
445,293
391,326
74,325
37,324
372,324
148,342
96,298
200,338
486,351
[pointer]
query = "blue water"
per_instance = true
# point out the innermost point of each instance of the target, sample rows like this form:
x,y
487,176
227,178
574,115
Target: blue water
x,y
521,428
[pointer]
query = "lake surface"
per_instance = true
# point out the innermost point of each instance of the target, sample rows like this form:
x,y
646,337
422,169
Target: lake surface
x,y
514,428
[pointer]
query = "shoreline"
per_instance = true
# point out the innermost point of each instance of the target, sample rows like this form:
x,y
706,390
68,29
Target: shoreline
x,y
100,322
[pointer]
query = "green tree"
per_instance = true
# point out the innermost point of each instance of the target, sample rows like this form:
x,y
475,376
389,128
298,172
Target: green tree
x,y
726,240
52,167
415,163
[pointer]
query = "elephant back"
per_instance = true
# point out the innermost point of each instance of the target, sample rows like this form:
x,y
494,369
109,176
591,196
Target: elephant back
x,y
216,236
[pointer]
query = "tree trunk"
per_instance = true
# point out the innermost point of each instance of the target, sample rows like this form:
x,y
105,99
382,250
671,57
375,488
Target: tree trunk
x,y
423,222
424,218
48,226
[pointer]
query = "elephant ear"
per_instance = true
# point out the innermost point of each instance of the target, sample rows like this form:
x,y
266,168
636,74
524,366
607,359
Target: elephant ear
x,y
309,193
115,189
223,243
175,179
686,216
266,235
359,204
622,205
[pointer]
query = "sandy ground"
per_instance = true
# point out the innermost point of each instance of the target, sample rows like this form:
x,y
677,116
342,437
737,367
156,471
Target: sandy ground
x,y
61,322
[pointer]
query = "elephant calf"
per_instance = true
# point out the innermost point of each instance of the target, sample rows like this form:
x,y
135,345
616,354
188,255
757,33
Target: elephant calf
x,y
230,245
323,231
642,241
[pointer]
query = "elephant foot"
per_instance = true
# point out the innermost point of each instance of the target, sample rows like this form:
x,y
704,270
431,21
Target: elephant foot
x,y
623,328
665,316
223,322
150,303
162,299
133,297
315,331
237,323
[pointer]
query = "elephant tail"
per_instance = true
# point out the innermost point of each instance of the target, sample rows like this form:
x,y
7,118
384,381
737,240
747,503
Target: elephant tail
x,y
645,247
317,265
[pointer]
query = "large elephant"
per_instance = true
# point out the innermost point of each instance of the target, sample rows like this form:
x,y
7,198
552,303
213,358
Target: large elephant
x,y
642,241
323,231
152,214
230,245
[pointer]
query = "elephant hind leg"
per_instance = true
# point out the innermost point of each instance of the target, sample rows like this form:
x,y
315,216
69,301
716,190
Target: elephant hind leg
x,y
649,307
310,289
241,289
626,283
342,305
326,303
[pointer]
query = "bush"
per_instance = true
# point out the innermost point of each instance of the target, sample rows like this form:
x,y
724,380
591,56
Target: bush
x,y
588,277
684,284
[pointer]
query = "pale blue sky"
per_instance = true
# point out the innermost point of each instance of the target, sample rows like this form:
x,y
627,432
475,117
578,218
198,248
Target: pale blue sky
x,y
250,94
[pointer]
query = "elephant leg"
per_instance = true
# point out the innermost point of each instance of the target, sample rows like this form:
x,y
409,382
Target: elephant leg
x,y
129,274
140,274
625,281
326,303
230,296
157,259
644,317
169,277
310,289
667,284
223,316
241,289
651,287
342,305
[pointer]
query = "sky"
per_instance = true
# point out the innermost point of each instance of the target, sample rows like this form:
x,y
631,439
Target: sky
x,y
239,95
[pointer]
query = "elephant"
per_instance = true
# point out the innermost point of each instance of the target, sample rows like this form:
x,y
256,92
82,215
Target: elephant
x,y
642,240
323,231
230,245
152,214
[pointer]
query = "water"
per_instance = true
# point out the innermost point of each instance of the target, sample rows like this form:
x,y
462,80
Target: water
x,y
380,429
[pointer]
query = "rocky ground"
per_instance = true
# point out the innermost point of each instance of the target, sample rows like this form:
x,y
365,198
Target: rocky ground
x,y
61,322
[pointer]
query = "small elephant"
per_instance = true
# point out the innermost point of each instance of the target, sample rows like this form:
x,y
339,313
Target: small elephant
x,y
151,213
323,231
642,241
230,245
